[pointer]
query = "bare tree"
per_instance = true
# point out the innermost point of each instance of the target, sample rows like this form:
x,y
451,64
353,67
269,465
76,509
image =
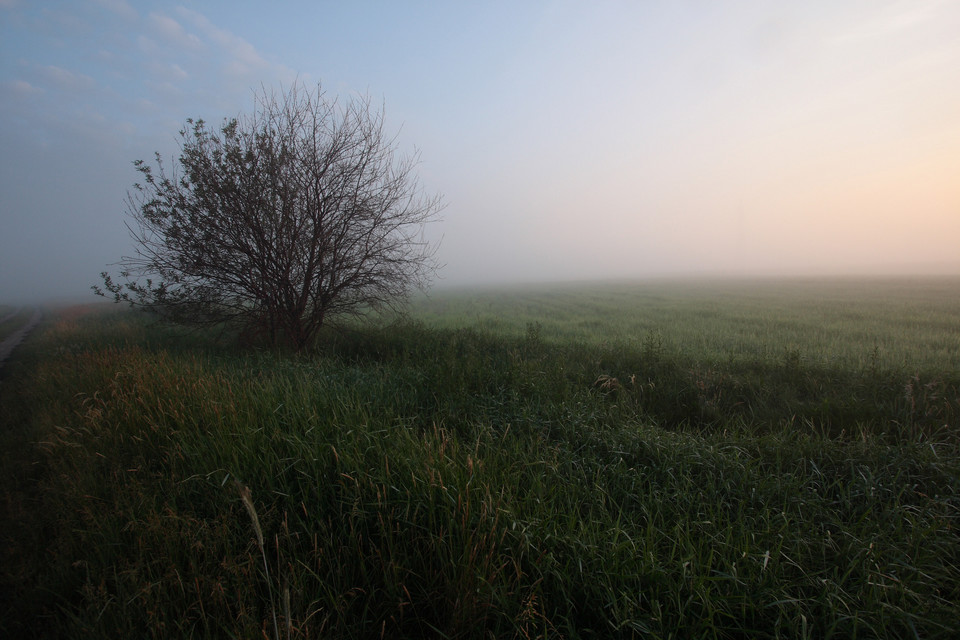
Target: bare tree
x,y
298,212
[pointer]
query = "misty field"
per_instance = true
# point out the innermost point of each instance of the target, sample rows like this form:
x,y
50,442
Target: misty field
x,y
770,459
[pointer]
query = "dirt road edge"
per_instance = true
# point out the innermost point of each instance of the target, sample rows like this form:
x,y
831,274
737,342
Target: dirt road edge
x,y
14,339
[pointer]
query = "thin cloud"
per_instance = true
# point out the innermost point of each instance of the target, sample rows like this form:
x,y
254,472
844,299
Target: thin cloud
x,y
166,72
244,54
243,58
177,72
64,80
173,33
22,88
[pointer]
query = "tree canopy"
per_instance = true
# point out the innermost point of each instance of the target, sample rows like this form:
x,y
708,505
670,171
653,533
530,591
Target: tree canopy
x,y
277,221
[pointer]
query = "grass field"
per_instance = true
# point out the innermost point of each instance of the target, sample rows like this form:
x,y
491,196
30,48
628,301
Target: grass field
x,y
632,460
900,323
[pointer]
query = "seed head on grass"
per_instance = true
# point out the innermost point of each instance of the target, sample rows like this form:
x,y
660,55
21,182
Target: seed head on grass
x,y
247,500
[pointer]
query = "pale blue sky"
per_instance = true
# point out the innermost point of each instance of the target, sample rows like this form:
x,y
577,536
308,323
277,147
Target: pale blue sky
x,y
571,140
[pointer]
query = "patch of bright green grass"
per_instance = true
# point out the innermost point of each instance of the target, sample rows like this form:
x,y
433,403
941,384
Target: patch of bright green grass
x,y
908,324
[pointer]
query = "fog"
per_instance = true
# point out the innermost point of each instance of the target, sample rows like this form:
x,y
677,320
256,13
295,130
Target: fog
x,y
571,140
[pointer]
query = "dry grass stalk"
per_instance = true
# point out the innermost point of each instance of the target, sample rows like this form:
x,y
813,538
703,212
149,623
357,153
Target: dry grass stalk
x,y
247,499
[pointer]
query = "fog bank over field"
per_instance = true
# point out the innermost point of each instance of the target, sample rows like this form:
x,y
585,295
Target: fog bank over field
x,y
572,142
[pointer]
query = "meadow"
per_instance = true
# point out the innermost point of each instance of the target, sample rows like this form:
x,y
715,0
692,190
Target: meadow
x,y
672,459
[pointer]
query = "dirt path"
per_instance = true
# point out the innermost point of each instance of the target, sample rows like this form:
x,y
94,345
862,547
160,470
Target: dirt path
x,y
9,315
8,345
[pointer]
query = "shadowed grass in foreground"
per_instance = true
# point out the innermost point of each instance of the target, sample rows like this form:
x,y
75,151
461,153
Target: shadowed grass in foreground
x,y
418,482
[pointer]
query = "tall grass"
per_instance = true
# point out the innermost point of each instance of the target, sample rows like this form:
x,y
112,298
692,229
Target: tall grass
x,y
419,481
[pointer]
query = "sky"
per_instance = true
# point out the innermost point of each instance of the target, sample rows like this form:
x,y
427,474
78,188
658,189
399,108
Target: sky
x,y
570,140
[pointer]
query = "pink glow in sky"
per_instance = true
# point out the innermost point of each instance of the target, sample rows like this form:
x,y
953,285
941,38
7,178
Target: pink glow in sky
x,y
571,140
